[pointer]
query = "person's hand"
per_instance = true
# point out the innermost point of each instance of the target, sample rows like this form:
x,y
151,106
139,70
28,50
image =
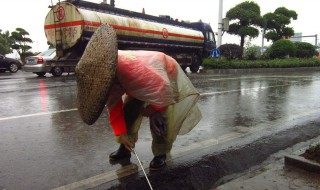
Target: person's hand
x,y
157,124
128,143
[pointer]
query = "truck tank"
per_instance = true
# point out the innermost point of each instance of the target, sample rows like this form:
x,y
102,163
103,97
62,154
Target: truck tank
x,y
68,27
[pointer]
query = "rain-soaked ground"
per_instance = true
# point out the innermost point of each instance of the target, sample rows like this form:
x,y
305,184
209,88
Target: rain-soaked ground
x,y
44,144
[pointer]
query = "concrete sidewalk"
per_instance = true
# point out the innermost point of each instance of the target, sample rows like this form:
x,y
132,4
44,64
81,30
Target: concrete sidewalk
x,y
276,175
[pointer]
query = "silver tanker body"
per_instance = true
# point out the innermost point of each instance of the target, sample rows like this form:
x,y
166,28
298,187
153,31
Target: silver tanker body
x,y
69,26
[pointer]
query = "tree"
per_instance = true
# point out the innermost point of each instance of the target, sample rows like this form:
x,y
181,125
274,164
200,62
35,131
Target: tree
x,y
4,43
247,15
20,42
276,24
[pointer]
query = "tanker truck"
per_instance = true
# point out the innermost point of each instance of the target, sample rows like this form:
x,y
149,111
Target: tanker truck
x,y
70,24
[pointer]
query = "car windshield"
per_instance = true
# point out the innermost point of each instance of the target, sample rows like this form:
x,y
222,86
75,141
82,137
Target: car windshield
x,y
47,53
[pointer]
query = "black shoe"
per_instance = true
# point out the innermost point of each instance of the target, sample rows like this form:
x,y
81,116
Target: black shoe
x,y
158,162
119,154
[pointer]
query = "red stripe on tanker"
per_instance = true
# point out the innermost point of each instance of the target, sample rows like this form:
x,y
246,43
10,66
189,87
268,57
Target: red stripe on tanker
x,y
75,21
88,26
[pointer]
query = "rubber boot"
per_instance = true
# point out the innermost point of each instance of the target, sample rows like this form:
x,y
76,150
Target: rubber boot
x,y
120,154
158,162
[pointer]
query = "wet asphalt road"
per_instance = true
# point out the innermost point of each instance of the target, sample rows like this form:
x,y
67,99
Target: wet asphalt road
x,y
44,144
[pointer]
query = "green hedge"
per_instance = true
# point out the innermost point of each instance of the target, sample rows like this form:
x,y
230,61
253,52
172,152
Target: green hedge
x,y
231,51
275,63
282,48
305,50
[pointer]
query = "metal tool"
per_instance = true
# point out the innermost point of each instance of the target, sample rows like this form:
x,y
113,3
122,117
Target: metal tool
x,y
142,168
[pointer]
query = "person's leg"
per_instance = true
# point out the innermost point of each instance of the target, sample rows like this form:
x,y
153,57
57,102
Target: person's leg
x,y
161,145
132,115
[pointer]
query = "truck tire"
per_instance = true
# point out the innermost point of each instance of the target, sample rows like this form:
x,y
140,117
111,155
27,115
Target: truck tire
x,y
41,74
57,71
195,63
13,67
183,67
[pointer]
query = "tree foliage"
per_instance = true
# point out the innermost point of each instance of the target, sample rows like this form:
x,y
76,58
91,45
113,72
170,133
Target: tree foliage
x,y
282,48
4,43
246,16
20,41
305,50
276,23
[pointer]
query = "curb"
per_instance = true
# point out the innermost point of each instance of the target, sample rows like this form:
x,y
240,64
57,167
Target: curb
x,y
302,163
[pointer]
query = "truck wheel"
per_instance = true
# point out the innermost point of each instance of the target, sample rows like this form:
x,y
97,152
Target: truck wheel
x,y
41,74
183,67
13,68
57,71
195,64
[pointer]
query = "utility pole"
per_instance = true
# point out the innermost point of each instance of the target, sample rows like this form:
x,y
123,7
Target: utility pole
x,y
262,44
220,23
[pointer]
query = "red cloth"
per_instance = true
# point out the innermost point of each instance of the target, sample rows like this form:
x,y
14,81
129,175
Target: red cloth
x,y
159,108
117,121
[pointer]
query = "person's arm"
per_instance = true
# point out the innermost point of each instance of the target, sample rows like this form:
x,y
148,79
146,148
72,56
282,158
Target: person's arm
x,y
117,121
116,115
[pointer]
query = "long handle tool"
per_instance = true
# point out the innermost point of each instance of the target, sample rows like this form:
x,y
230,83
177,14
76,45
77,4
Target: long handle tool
x,y
142,168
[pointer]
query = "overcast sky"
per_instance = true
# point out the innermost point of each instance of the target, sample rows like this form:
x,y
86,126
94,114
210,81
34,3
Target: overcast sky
x,y
30,14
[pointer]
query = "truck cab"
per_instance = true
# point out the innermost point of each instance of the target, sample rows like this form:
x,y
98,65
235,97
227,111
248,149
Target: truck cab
x,y
210,42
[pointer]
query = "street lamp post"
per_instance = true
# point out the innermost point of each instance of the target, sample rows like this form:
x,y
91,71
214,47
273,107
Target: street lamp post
x,y
220,23
262,44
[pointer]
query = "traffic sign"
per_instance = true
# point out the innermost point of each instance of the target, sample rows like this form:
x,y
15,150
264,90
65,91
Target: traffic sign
x,y
215,53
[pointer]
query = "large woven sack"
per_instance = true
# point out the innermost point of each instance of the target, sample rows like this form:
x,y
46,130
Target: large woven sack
x,y
95,73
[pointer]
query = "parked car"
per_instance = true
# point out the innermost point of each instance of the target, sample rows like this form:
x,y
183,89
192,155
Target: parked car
x,y
37,64
9,64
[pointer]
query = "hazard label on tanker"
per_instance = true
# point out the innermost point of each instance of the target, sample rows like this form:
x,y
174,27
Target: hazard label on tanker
x,y
165,33
60,13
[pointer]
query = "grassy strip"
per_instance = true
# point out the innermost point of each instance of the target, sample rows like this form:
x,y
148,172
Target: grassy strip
x,y
274,63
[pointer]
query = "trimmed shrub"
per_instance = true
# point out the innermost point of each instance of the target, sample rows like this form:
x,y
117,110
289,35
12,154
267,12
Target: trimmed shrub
x,y
305,50
272,63
231,51
282,48
252,53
